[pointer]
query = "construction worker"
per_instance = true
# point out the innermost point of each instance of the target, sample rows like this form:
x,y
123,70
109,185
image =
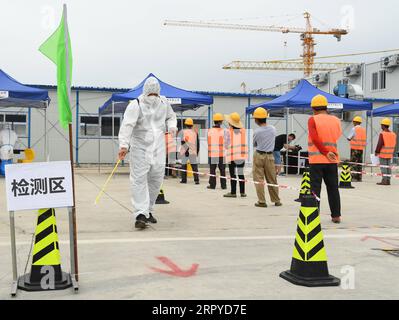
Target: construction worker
x,y
385,150
189,150
171,149
216,152
142,133
358,141
324,132
237,153
8,138
263,161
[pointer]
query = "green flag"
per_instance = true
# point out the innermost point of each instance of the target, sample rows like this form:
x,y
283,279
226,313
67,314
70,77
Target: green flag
x,y
58,49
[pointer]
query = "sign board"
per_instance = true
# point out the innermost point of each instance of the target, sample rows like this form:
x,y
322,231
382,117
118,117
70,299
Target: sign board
x,y
31,186
3,94
174,100
335,106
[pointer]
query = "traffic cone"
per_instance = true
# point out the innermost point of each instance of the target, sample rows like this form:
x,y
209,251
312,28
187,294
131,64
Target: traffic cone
x,y
305,185
46,272
345,179
189,170
309,261
161,198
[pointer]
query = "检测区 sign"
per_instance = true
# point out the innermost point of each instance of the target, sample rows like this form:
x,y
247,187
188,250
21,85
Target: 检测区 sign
x,y
31,186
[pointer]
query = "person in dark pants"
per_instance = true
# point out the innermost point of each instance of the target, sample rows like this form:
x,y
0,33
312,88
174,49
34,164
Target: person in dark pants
x,y
237,153
189,150
358,142
324,131
216,152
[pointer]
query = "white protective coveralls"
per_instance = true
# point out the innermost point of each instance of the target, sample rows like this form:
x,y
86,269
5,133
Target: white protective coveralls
x,y
143,133
8,138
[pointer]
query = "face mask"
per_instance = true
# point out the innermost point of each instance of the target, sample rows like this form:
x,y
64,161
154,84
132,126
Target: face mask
x,y
151,99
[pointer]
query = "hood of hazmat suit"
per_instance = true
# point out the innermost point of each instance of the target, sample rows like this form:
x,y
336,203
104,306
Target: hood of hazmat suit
x,y
8,138
143,132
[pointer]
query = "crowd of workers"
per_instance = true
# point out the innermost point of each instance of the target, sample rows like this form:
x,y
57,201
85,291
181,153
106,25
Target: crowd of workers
x,y
148,118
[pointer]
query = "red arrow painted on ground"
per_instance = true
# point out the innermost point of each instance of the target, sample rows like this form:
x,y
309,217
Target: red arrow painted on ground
x,y
175,269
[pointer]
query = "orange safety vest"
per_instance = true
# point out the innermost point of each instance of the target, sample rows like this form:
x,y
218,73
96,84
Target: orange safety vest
x,y
190,139
389,145
170,143
359,141
238,149
329,130
216,142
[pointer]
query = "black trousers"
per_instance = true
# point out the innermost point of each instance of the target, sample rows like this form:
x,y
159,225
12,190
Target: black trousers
x,y
356,156
328,173
239,167
194,165
217,163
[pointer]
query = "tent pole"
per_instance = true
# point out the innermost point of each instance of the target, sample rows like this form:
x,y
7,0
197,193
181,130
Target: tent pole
x,y
372,136
365,149
46,153
29,126
210,112
99,142
113,142
287,112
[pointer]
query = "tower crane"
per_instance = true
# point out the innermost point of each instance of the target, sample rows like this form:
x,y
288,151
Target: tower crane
x,y
306,34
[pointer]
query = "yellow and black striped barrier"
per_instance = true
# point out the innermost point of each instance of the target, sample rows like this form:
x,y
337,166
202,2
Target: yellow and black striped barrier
x,y
161,198
309,261
46,272
345,179
305,185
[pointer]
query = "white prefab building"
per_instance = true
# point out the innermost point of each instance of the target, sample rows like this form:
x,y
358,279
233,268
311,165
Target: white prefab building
x,y
93,141
376,82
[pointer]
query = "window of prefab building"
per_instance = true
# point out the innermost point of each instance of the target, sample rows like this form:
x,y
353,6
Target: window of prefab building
x,y
374,81
88,125
383,79
17,121
106,126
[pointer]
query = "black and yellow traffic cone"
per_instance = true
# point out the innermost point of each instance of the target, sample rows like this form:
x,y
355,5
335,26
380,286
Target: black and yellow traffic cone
x,y
309,261
161,198
305,185
46,272
345,179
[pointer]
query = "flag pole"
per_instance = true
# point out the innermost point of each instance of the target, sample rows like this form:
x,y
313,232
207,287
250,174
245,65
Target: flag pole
x,y
75,245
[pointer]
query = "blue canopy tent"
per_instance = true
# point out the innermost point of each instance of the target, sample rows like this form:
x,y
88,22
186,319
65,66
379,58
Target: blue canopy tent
x,y
298,100
14,94
389,110
180,99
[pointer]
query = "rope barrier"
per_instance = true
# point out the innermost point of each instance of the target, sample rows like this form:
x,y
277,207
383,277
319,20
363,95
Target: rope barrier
x,y
264,183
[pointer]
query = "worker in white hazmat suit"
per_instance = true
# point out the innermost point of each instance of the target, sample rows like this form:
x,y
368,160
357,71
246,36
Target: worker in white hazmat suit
x,y
8,138
142,133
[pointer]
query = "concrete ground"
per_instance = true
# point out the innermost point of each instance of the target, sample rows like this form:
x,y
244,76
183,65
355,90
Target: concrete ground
x,y
240,249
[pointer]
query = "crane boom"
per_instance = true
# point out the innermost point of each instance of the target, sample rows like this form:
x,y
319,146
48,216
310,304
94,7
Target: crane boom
x,y
283,65
306,34
232,26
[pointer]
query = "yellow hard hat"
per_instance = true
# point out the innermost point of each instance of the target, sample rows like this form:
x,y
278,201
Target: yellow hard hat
x,y
357,119
234,120
218,117
189,122
386,122
260,113
319,101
